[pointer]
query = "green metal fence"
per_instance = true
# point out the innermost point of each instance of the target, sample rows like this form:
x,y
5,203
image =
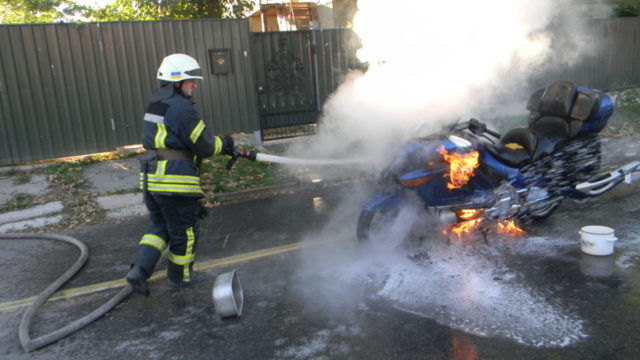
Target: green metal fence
x,y
610,55
70,89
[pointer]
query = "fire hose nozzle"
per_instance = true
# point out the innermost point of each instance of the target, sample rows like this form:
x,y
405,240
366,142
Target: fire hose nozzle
x,y
250,155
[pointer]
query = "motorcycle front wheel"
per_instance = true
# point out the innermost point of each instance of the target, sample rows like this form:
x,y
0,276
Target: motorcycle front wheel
x,y
381,228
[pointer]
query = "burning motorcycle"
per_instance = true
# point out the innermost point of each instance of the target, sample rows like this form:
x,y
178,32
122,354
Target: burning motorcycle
x,y
469,175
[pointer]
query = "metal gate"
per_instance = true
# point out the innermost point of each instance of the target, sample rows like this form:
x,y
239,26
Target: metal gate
x,y
286,83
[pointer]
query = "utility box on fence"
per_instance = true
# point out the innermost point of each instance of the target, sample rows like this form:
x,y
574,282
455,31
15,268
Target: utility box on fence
x,y
220,61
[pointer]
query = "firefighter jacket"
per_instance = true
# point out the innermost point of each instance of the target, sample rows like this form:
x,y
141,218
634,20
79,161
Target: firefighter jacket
x,y
172,122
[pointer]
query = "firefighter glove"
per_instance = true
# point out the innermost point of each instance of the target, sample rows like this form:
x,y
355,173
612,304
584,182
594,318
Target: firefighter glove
x,y
227,146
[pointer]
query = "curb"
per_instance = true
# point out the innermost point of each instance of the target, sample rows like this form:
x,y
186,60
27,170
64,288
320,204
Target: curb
x,y
131,204
124,150
46,209
38,216
30,224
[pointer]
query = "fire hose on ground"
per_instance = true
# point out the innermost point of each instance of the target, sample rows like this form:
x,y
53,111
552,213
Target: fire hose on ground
x,y
29,344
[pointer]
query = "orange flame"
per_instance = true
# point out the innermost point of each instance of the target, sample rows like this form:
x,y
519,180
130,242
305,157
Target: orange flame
x,y
470,221
509,227
465,226
460,167
468,214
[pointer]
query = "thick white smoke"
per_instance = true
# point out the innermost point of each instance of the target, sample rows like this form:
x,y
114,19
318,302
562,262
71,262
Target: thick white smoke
x,y
430,62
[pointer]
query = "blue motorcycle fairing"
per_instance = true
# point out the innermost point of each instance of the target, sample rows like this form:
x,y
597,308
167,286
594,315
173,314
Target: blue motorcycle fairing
x,y
436,193
449,145
509,173
418,174
415,155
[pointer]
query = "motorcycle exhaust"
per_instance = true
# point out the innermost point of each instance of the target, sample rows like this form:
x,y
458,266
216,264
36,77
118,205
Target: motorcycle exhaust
x,y
603,183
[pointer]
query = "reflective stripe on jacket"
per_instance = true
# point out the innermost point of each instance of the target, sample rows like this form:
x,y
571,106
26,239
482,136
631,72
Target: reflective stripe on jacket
x,y
172,122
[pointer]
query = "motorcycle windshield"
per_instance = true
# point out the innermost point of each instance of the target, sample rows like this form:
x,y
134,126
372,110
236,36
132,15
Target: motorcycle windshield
x,y
416,155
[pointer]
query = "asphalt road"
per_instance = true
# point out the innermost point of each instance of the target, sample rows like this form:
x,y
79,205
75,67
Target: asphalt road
x,y
311,293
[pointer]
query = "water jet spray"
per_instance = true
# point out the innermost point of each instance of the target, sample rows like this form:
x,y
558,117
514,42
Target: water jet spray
x,y
255,156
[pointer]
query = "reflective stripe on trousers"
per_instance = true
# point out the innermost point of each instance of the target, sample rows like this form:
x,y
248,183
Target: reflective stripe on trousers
x,y
173,218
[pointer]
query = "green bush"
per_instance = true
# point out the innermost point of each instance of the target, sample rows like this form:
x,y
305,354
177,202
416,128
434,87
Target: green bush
x,y
631,8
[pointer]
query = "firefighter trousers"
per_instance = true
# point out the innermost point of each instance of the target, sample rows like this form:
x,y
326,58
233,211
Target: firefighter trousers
x,y
174,223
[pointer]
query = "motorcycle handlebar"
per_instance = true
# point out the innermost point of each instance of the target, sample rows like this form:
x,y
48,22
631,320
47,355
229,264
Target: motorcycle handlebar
x,y
479,128
493,133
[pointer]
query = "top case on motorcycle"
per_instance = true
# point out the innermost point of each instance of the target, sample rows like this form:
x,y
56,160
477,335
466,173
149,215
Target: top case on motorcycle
x,y
563,99
556,99
585,106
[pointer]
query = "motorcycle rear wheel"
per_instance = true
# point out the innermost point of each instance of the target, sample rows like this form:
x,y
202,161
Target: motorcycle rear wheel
x,y
375,227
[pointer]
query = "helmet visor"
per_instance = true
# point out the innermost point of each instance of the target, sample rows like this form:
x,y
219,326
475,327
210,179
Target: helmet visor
x,y
194,72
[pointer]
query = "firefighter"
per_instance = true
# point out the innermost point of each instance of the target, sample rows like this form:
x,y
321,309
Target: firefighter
x,y
176,141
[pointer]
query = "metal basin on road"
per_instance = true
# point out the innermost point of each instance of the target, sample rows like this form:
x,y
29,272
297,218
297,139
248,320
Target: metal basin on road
x,y
227,295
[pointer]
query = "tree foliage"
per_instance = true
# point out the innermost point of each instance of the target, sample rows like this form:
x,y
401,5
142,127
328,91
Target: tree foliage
x,y
37,11
172,9
626,9
40,11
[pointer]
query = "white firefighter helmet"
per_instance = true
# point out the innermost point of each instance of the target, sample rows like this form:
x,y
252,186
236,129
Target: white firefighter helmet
x,y
179,67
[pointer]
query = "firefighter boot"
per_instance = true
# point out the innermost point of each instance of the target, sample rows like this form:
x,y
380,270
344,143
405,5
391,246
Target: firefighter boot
x,y
138,280
196,279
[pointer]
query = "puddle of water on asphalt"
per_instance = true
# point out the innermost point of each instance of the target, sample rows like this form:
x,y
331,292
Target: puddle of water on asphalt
x,y
478,295
466,290
317,344
627,250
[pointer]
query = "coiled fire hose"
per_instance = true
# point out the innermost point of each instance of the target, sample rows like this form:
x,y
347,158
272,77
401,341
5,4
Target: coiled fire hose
x,y
29,344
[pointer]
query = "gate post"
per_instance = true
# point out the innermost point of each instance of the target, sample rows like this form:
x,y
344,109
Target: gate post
x,y
315,27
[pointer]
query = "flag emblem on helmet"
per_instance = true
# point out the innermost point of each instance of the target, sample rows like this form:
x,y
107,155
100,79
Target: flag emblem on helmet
x,y
175,75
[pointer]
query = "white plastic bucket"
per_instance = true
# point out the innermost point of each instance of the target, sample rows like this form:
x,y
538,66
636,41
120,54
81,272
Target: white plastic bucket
x,y
597,240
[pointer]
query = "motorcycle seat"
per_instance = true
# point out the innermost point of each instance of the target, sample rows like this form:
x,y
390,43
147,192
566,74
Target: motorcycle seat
x,y
520,146
551,132
516,147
